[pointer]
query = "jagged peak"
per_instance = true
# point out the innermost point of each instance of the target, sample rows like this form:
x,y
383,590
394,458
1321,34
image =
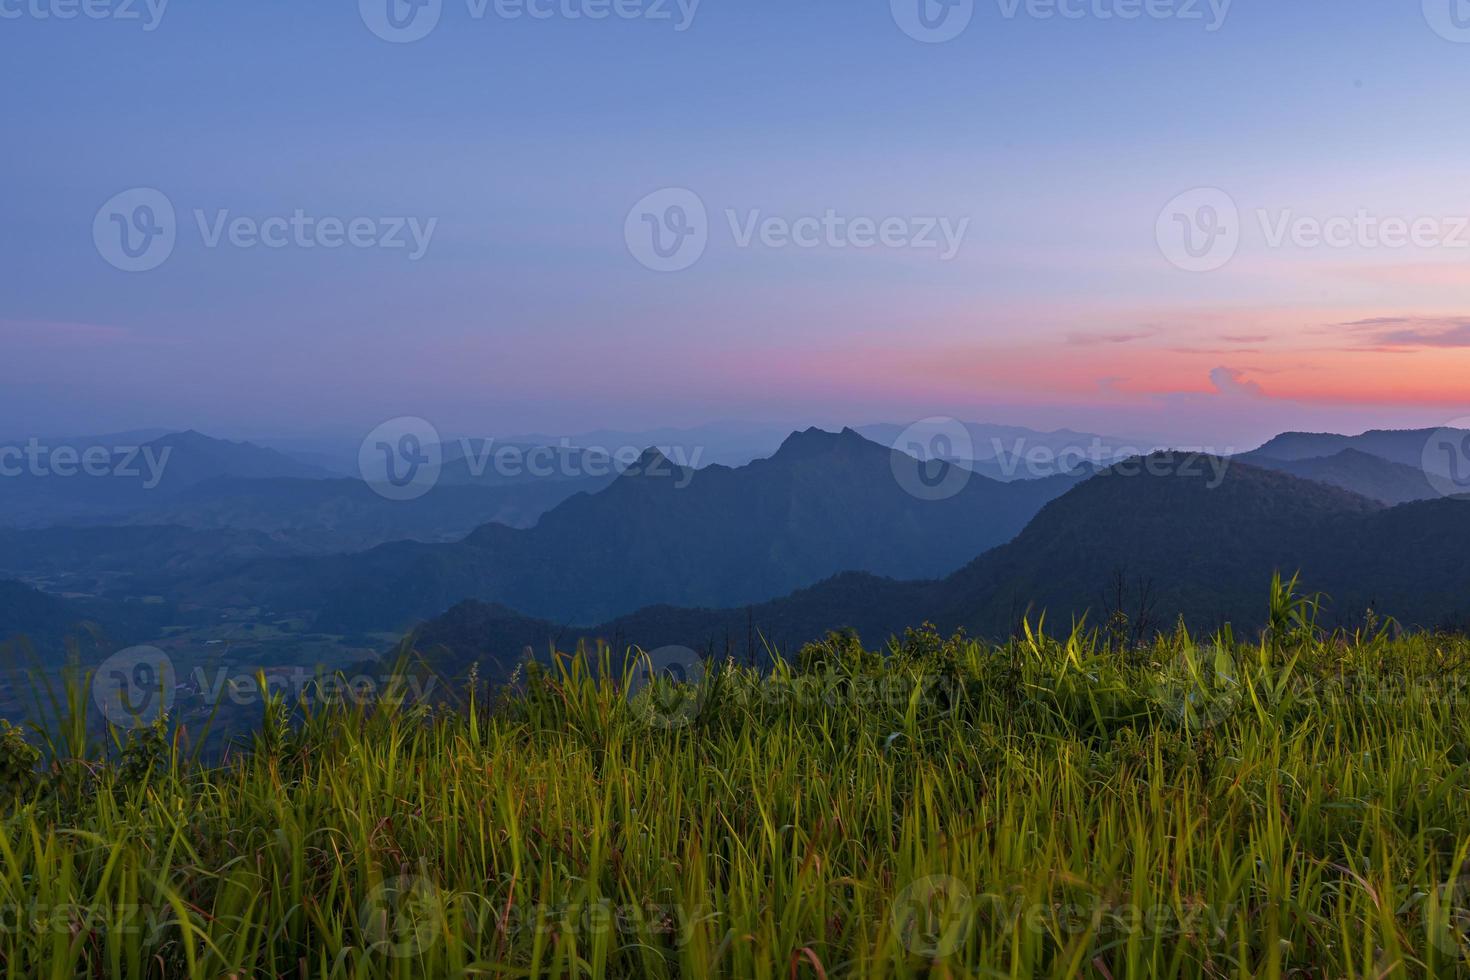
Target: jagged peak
x,y
653,463
652,456
814,441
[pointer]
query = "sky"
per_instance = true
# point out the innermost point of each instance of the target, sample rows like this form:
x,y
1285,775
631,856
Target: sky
x,y
1199,222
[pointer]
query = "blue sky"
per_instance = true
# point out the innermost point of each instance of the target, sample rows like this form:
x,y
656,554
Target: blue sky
x,y
527,141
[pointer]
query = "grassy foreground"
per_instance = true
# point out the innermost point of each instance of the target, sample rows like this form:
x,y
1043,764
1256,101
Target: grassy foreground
x,y
1298,807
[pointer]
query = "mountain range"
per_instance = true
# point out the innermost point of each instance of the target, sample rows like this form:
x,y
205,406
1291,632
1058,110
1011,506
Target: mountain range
x,y
190,480
1352,469
1414,448
1008,452
832,529
823,504
1158,543
53,487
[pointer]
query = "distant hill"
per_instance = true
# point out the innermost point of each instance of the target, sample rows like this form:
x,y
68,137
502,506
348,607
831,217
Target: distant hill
x,y
823,504
333,516
1206,554
1203,552
1405,446
191,480
1155,547
136,477
194,457
1362,473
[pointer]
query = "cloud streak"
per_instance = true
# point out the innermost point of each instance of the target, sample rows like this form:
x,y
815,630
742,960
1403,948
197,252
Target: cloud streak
x,y
1398,333
1096,339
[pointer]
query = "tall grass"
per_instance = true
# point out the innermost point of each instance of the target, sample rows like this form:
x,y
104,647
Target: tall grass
x,y
1294,807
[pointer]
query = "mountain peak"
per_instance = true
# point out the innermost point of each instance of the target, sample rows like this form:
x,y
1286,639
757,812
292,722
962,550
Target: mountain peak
x,y
653,460
815,441
195,456
653,464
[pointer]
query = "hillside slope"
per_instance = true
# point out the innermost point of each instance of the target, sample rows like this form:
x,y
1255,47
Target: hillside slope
x,y
1363,473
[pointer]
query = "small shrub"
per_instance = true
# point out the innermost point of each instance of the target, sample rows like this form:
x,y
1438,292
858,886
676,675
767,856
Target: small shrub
x,y
18,759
